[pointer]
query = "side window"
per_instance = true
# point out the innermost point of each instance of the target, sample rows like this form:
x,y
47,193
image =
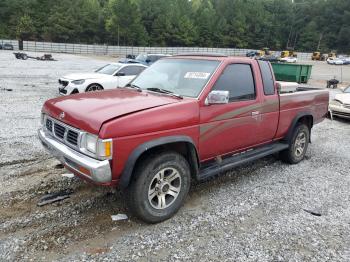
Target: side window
x,y
269,88
153,58
238,80
132,70
137,70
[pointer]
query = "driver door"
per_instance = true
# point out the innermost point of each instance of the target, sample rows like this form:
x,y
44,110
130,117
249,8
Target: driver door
x,y
226,128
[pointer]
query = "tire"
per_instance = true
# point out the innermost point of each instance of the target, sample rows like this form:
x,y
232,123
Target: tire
x,y
298,145
151,196
329,115
75,91
93,87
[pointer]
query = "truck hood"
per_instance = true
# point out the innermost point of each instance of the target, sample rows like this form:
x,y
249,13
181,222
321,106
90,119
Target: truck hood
x,y
344,98
79,76
88,111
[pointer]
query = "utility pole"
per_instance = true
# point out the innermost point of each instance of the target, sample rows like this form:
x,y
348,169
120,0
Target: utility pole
x,y
118,34
319,41
341,74
295,40
290,33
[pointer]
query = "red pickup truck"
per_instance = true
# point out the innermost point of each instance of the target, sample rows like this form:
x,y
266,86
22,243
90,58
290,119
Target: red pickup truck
x,y
184,118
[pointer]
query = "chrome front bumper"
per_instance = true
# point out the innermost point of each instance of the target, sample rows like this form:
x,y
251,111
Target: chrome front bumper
x,y
339,111
99,170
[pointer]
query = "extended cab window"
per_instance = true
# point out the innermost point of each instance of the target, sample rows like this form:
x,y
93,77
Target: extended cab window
x,y
238,80
269,88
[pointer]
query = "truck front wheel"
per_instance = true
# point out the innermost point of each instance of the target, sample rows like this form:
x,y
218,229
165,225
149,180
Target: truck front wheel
x,y
159,187
298,145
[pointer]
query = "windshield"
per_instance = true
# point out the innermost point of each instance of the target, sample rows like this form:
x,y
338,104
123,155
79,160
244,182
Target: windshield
x,y
347,90
108,69
141,57
185,77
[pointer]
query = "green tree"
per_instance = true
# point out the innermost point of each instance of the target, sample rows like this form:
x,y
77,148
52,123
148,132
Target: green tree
x,y
124,23
278,24
25,29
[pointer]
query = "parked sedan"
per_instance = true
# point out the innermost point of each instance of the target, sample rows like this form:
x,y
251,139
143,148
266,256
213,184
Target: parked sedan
x,y
346,61
335,61
107,77
145,59
289,59
340,105
270,58
7,46
252,54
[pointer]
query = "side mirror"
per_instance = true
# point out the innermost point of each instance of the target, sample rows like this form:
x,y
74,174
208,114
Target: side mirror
x,y
217,97
120,74
278,87
148,60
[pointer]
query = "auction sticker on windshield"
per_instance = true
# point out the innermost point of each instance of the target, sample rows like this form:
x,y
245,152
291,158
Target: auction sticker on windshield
x,y
197,75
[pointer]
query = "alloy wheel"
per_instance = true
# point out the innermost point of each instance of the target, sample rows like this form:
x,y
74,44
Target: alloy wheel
x,y
164,188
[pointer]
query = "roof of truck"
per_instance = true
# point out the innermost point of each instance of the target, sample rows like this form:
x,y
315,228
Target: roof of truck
x,y
209,56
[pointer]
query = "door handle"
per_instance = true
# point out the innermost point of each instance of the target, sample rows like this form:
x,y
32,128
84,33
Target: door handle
x,y
255,113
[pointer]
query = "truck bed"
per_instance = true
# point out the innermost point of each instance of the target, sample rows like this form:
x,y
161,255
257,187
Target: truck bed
x,y
298,88
303,99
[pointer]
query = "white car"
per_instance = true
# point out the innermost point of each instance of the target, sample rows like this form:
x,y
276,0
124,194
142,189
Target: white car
x,y
335,61
289,59
109,76
330,60
340,105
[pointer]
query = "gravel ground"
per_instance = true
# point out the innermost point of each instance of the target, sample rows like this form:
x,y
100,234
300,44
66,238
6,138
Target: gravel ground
x,y
252,213
32,82
322,71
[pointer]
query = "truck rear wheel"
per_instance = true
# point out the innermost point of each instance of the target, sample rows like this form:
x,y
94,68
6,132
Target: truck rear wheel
x,y
159,187
298,145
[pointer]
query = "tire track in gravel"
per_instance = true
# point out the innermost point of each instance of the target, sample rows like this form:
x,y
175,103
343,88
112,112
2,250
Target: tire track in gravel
x,y
51,228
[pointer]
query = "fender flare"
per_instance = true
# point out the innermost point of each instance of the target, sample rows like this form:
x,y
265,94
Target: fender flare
x,y
296,119
138,151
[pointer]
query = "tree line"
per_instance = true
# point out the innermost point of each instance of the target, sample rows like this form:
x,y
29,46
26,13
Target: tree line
x,y
303,25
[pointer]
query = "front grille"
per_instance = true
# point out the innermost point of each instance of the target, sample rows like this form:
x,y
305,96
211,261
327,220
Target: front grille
x,y
62,90
65,133
72,137
49,125
337,113
63,82
59,130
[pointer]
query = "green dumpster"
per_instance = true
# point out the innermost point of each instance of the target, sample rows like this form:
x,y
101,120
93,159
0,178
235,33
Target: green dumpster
x,y
292,72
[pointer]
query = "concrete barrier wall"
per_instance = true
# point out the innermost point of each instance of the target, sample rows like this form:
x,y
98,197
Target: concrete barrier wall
x,y
49,47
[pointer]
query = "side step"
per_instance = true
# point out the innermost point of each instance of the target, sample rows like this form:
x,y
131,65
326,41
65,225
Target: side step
x,y
239,159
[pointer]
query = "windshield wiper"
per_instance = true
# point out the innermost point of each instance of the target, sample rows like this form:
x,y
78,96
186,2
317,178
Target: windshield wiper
x,y
139,89
164,91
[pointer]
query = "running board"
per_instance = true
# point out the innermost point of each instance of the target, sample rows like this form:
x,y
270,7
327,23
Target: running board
x,y
239,159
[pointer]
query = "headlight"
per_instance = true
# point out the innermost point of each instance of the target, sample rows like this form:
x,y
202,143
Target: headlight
x,y
42,119
336,102
96,147
91,143
78,82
